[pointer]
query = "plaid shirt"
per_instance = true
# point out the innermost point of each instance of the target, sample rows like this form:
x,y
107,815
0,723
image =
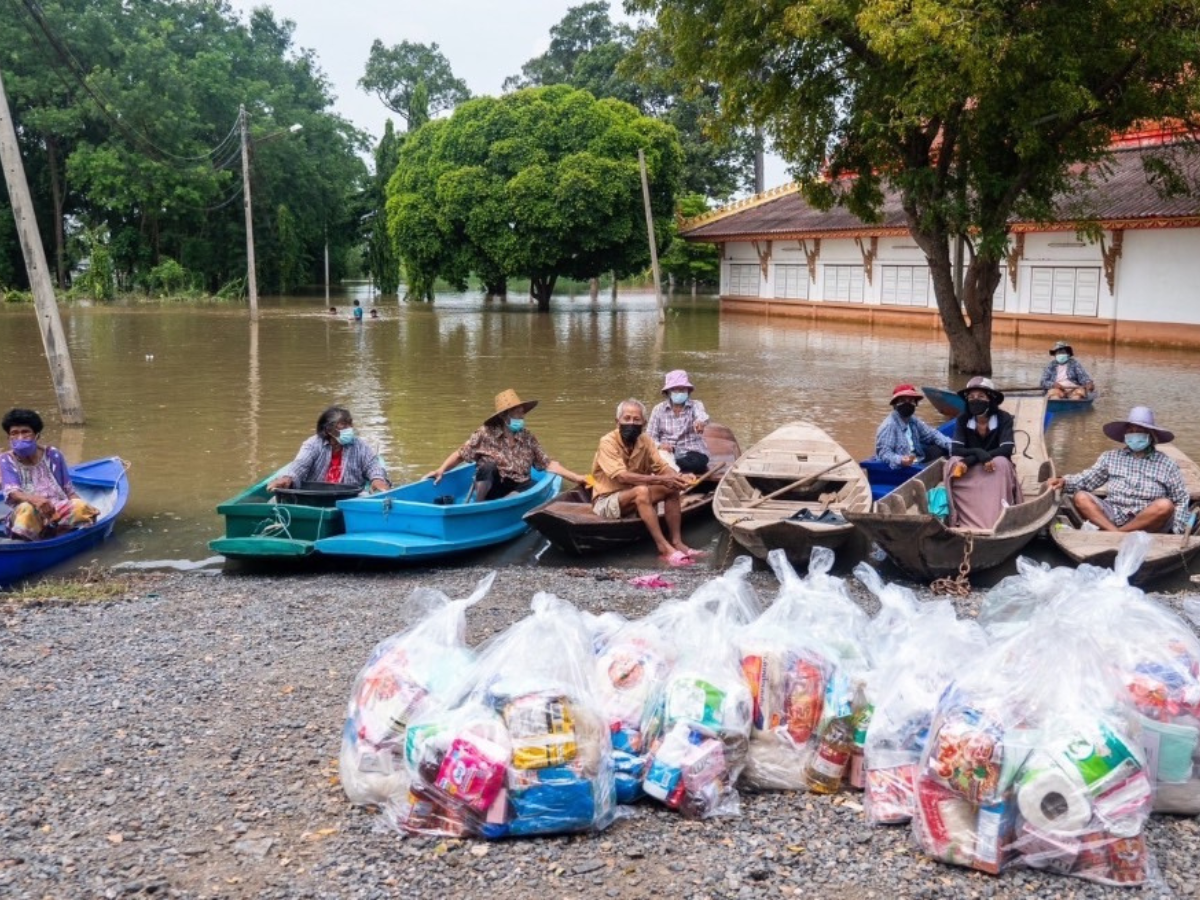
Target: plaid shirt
x,y
1134,481
897,438
514,453
1075,373
679,431
360,462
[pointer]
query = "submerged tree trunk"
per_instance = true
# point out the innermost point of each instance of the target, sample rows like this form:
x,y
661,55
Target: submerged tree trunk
x,y
614,286
594,288
540,288
496,288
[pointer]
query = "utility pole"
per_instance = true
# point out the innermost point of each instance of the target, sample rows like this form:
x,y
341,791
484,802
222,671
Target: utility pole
x,y
327,263
251,277
658,297
54,341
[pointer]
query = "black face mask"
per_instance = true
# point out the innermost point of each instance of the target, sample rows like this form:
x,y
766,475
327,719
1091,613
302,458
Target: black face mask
x,y
630,433
978,407
906,409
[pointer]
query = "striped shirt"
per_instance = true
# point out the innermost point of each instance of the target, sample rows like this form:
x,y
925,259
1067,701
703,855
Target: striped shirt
x,y
678,429
1134,481
360,463
897,438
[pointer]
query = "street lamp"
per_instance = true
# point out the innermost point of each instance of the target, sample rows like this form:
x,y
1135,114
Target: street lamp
x,y
251,277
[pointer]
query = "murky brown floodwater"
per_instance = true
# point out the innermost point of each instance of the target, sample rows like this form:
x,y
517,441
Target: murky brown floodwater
x,y
203,403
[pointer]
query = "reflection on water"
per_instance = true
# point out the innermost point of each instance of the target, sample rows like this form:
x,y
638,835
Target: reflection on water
x,y
201,401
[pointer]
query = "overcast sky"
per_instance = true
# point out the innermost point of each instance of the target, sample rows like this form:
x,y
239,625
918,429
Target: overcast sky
x,y
485,41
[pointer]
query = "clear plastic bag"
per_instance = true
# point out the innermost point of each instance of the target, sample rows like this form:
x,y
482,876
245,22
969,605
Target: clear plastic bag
x,y
1008,607
1034,758
526,751
406,676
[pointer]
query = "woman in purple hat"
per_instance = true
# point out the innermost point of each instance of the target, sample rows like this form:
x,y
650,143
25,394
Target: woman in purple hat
x,y
1146,490
677,425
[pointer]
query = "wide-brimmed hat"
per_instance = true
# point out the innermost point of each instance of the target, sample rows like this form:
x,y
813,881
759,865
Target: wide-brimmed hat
x,y
1143,417
506,401
904,390
979,383
676,379
1062,345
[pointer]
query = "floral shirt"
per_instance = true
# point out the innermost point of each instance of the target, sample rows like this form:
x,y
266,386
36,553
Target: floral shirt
x,y
678,430
1134,481
360,463
514,453
47,478
897,438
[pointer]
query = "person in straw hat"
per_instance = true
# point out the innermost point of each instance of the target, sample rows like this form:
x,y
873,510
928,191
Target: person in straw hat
x,y
1065,378
902,439
631,476
979,477
677,425
504,452
1146,490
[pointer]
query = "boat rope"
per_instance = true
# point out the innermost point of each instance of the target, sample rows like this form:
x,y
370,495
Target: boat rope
x,y
276,524
732,542
958,585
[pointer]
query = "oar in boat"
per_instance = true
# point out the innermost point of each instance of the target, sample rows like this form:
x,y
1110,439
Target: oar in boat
x,y
703,478
796,484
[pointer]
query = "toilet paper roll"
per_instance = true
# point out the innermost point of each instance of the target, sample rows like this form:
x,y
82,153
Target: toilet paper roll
x,y
1051,800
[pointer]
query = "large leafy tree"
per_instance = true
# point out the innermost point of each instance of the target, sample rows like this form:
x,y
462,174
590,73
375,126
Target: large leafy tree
x,y
971,111
590,52
543,182
414,81
382,261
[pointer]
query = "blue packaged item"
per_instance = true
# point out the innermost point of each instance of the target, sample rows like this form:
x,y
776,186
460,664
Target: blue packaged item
x,y
628,769
560,801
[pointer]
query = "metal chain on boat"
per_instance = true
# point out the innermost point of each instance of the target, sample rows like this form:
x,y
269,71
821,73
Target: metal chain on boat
x,y
732,543
958,585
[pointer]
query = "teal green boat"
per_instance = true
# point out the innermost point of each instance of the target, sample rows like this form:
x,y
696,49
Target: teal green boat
x,y
259,526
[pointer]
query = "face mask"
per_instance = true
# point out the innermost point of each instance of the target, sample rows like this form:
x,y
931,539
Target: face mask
x,y
630,433
1137,442
345,437
679,397
1062,358
23,446
515,425
906,409
978,407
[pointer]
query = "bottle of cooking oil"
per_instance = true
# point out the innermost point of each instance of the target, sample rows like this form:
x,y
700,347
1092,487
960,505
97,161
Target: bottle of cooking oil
x,y
828,763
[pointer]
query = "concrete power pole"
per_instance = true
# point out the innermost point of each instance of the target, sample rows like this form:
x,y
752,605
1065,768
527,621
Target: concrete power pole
x,y
54,341
251,277
658,297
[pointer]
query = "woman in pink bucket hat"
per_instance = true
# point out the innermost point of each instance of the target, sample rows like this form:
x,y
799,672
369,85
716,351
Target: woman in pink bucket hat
x,y
677,425
1146,490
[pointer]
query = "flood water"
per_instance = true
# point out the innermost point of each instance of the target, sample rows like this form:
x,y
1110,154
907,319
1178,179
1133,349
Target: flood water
x,y
201,402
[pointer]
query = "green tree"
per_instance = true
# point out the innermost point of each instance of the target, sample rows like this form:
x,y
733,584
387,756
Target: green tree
x,y
970,113
414,81
686,261
382,261
543,183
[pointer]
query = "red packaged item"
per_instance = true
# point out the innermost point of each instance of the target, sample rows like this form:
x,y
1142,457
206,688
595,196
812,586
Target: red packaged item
x,y
472,772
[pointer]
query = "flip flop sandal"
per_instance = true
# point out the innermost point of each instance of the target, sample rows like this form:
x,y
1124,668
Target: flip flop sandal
x,y
677,560
695,554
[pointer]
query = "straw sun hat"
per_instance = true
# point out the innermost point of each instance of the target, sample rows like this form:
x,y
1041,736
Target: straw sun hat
x,y
506,401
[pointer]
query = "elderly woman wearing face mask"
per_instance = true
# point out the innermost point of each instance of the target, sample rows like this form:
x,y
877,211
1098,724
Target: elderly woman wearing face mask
x,y
335,456
1065,377
980,478
677,425
504,452
36,485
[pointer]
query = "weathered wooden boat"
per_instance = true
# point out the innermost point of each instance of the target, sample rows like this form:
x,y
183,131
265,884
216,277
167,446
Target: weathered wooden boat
x,y
1168,553
791,491
104,485
568,522
925,548
949,404
423,520
259,526
884,479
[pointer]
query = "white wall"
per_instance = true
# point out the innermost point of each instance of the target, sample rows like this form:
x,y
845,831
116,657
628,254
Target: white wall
x,y
1158,276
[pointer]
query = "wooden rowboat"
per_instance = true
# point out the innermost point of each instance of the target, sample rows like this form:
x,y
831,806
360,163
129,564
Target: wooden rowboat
x,y
950,405
791,491
568,522
102,483
1168,552
920,544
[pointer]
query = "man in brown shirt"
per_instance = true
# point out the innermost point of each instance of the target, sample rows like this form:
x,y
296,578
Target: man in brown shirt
x,y
504,452
630,475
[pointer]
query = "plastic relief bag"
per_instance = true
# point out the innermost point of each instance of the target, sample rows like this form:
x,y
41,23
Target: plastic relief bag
x,y
406,676
526,751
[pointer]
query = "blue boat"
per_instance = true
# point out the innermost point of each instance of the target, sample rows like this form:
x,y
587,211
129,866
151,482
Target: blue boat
x,y
102,483
424,520
884,479
949,404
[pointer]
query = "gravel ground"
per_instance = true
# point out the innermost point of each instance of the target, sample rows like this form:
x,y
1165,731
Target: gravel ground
x,y
183,743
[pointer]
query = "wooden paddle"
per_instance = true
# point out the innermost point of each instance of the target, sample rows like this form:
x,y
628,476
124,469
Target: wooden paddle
x,y
795,484
703,478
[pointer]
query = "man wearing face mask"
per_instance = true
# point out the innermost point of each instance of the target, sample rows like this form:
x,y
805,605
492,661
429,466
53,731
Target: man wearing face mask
x,y
334,455
902,439
1065,378
504,452
979,476
1146,490
631,475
